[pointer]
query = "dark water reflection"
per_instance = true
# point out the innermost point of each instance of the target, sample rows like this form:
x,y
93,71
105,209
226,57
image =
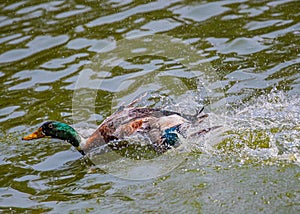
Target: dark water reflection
x,y
52,67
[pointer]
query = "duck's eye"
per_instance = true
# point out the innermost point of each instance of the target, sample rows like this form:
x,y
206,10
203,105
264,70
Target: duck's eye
x,y
50,126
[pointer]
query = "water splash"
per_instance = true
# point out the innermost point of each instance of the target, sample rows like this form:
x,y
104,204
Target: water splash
x,y
267,129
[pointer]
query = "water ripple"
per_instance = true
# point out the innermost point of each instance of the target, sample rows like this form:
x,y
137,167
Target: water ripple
x,y
38,44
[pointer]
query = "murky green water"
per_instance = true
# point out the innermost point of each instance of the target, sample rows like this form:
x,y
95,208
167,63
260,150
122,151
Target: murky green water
x,y
238,58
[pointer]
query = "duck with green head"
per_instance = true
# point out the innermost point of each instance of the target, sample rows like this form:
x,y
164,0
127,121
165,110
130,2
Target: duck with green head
x,y
162,127
59,130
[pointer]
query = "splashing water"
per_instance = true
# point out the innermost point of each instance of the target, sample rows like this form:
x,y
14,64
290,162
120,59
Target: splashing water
x,y
266,130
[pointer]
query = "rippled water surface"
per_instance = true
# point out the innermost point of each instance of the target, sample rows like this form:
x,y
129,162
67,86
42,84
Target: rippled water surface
x,y
77,61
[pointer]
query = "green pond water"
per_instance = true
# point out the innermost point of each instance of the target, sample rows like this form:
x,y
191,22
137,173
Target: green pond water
x,y
78,61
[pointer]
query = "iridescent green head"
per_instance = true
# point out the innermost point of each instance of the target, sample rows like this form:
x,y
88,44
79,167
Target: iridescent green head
x,y
57,130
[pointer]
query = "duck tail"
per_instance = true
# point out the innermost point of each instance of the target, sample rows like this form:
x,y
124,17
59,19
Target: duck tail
x,y
196,118
203,131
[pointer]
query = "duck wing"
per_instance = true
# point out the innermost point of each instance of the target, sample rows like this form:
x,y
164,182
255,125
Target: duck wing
x,y
125,122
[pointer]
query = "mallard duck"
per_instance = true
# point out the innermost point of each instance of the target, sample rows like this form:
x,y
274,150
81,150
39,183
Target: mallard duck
x,y
161,127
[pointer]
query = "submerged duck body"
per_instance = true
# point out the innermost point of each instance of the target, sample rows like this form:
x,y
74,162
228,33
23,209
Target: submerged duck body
x,y
148,122
161,127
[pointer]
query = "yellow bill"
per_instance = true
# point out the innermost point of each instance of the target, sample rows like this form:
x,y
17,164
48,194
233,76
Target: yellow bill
x,y
35,135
